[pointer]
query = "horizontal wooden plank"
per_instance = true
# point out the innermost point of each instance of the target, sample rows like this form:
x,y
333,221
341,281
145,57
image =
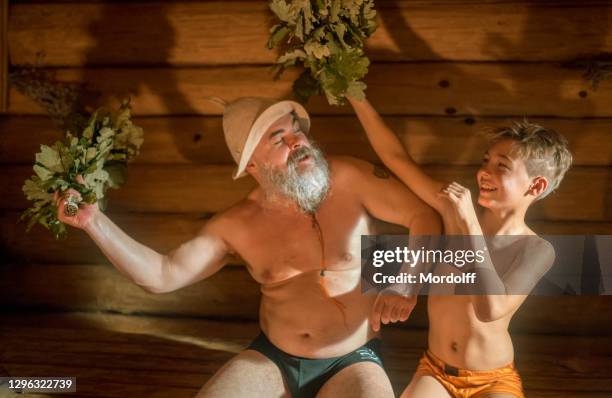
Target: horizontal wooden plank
x,y
511,89
197,33
430,140
210,188
147,349
161,232
164,232
233,294
101,343
580,362
4,60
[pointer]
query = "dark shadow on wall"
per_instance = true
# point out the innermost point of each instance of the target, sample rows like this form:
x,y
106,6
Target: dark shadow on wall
x,y
414,48
594,21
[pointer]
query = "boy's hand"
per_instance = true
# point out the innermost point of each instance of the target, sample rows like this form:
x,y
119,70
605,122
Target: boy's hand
x,y
391,306
461,207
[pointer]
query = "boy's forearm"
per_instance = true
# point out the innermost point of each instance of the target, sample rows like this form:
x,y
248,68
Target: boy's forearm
x,y
391,151
385,143
490,302
138,262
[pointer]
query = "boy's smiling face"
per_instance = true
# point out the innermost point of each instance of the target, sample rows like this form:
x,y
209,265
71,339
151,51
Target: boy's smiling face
x,y
503,180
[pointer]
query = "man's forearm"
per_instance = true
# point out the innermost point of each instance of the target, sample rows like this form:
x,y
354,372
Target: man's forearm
x,y
141,264
425,228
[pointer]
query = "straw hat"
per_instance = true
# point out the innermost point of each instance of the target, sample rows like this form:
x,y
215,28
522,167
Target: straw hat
x,y
245,120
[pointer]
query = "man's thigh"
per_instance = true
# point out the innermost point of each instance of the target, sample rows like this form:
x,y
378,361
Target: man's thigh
x,y
359,380
425,387
248,374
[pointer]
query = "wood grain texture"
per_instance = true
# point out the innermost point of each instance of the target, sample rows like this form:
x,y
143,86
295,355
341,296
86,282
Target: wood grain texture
x,y
113,350
233,294
4,55
210,188
429,140
164,232
481,89
214,33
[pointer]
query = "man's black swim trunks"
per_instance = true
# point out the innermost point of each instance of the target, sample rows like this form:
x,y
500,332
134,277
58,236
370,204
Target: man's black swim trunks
x,y
305,376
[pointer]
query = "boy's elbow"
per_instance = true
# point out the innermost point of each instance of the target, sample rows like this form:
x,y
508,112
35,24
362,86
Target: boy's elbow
x,y
489,312
425,221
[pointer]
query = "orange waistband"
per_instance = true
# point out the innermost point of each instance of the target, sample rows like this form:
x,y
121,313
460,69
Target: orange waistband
x,y
454,371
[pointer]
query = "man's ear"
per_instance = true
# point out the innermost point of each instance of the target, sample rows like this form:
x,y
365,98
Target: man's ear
x,y
538,186
251,168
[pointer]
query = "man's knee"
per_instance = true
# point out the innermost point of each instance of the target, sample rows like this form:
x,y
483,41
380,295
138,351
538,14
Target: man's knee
x,y
242,376
363,379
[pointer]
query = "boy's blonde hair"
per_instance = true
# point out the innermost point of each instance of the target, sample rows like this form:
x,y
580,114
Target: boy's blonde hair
x,y
544,151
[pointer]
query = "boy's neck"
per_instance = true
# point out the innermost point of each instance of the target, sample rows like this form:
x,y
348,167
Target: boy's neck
x,y
503,221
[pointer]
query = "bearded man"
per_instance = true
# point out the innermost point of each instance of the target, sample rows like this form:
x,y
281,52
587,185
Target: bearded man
x,y
299,232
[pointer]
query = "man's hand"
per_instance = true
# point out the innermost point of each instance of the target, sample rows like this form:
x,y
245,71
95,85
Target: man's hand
x,y
85,214
460,207
391,306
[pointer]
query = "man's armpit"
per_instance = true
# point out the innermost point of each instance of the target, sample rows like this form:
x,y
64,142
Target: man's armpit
x,y
381,171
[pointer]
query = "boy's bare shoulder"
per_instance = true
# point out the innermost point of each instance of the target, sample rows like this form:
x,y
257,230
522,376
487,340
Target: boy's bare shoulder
x,y
538,250
543,246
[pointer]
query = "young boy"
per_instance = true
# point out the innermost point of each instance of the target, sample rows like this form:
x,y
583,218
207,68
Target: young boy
x,y
470,352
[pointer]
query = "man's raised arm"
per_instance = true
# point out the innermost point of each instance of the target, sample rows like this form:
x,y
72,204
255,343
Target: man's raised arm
x,y
192,261
385,198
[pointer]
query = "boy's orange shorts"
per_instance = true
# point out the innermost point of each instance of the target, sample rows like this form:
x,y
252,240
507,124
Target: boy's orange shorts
x,y
462,383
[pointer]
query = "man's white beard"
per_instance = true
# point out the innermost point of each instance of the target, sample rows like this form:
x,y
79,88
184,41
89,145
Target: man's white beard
x,y
307,188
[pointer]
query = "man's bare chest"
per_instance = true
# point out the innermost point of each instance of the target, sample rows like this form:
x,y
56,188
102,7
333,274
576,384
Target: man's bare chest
x,y
276,246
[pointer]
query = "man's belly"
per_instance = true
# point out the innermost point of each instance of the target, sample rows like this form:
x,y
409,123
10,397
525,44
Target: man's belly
x,y
460,339
317,316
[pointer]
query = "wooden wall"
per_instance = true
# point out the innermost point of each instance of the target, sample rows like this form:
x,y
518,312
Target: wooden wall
x,y
441,72
3,54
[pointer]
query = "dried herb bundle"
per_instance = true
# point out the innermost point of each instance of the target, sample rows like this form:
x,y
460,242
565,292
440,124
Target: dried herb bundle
x,y
99,155
327,38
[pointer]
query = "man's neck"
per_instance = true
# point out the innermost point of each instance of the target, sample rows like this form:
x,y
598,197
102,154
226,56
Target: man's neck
x,y
276,201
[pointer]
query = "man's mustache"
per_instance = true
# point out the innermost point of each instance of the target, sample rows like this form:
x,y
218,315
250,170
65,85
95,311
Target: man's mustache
x,y
299,154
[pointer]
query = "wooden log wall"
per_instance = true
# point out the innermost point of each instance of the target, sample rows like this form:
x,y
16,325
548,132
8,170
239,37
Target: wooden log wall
x,y
3,55
441,72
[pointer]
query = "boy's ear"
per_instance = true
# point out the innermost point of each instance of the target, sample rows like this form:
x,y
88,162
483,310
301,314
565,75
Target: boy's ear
x,y
538,186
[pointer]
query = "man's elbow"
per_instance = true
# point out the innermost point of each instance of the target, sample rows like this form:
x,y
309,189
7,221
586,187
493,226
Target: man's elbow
x,y
159,281
155,289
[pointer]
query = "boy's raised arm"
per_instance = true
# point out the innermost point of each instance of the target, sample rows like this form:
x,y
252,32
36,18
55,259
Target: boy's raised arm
x,y
390,150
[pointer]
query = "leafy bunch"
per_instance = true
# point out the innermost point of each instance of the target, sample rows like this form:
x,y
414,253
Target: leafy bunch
x,y
99,155
327,37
